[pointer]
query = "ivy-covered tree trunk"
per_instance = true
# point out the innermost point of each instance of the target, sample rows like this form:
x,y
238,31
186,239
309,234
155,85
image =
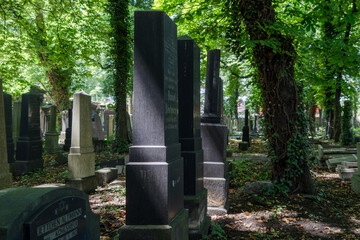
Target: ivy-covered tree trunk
x,y
286,138
312,114
59,79
119,20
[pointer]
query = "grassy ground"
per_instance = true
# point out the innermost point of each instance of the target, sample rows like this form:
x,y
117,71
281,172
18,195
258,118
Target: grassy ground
x,y
334,213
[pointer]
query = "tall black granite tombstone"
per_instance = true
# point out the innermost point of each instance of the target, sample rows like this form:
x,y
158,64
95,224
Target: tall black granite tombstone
x,y
67,144
254,132
246,130
8,127
154,184
189,136
29,145
214,139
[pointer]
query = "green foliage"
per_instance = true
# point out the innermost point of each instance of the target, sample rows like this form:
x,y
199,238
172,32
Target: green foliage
x,y
217,233
246,171
347,135
116,146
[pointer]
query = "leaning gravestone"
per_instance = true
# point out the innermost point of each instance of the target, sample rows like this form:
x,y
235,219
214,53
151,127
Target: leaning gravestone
x,y
47,213
5,176
154,184
8,126
52,136
81,158
214,139
29,145
189,137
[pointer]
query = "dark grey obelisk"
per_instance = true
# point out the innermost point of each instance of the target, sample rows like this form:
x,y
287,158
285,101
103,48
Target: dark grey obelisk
x,y
190,139
246,130
214,139
29,145
8,127
154,184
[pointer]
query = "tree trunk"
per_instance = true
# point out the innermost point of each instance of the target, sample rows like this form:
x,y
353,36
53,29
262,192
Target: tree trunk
x,y
337,109
281,101
119,14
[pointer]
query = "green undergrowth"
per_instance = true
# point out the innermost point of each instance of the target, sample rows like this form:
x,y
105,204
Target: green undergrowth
x,y
244,170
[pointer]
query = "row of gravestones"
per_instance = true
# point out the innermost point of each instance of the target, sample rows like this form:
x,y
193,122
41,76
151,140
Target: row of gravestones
x,y
177,161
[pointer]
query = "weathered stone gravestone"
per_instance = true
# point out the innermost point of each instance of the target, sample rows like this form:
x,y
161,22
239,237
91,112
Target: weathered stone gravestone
x,y
29,145
214,139
81,158
154,184
52,136
8,127
64,125
189,137
254,132
355,181
47,213
16,115
44,118
97,131
68,131
5,176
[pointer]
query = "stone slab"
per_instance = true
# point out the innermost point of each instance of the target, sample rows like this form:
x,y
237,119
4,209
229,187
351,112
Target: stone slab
x,y
217,192
106,175
177,229
86,184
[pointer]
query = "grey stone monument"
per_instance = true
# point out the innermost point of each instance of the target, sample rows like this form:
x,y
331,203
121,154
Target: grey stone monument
x,y
189,137
8,126
5,175
154,184
52,136
29,145
214,140
47,213
64,126
254,132
355,181
81,159
97,131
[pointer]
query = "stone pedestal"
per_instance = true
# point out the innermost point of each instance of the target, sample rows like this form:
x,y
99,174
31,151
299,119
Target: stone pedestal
x,y
29,145
154,184
52,136
195,199
81,158
5,176
215,168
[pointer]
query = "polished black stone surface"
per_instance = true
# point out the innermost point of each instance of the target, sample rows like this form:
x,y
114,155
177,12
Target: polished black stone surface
x,y
29,146
154,184
212,109
8,127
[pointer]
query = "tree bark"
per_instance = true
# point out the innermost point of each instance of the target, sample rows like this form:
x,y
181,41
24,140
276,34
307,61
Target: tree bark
x,y
280,94
119,14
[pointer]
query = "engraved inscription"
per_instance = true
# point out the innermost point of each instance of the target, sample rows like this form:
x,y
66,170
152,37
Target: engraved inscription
x,y
170,78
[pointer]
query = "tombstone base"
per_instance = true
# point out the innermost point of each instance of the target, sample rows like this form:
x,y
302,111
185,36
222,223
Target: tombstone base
x,y
86,184
355,183
27,166
51,142
220,211
243,146
5,176
217,192
176,230
199,222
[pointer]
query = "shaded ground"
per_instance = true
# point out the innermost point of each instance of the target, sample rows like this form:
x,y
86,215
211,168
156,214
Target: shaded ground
x,y
332,214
